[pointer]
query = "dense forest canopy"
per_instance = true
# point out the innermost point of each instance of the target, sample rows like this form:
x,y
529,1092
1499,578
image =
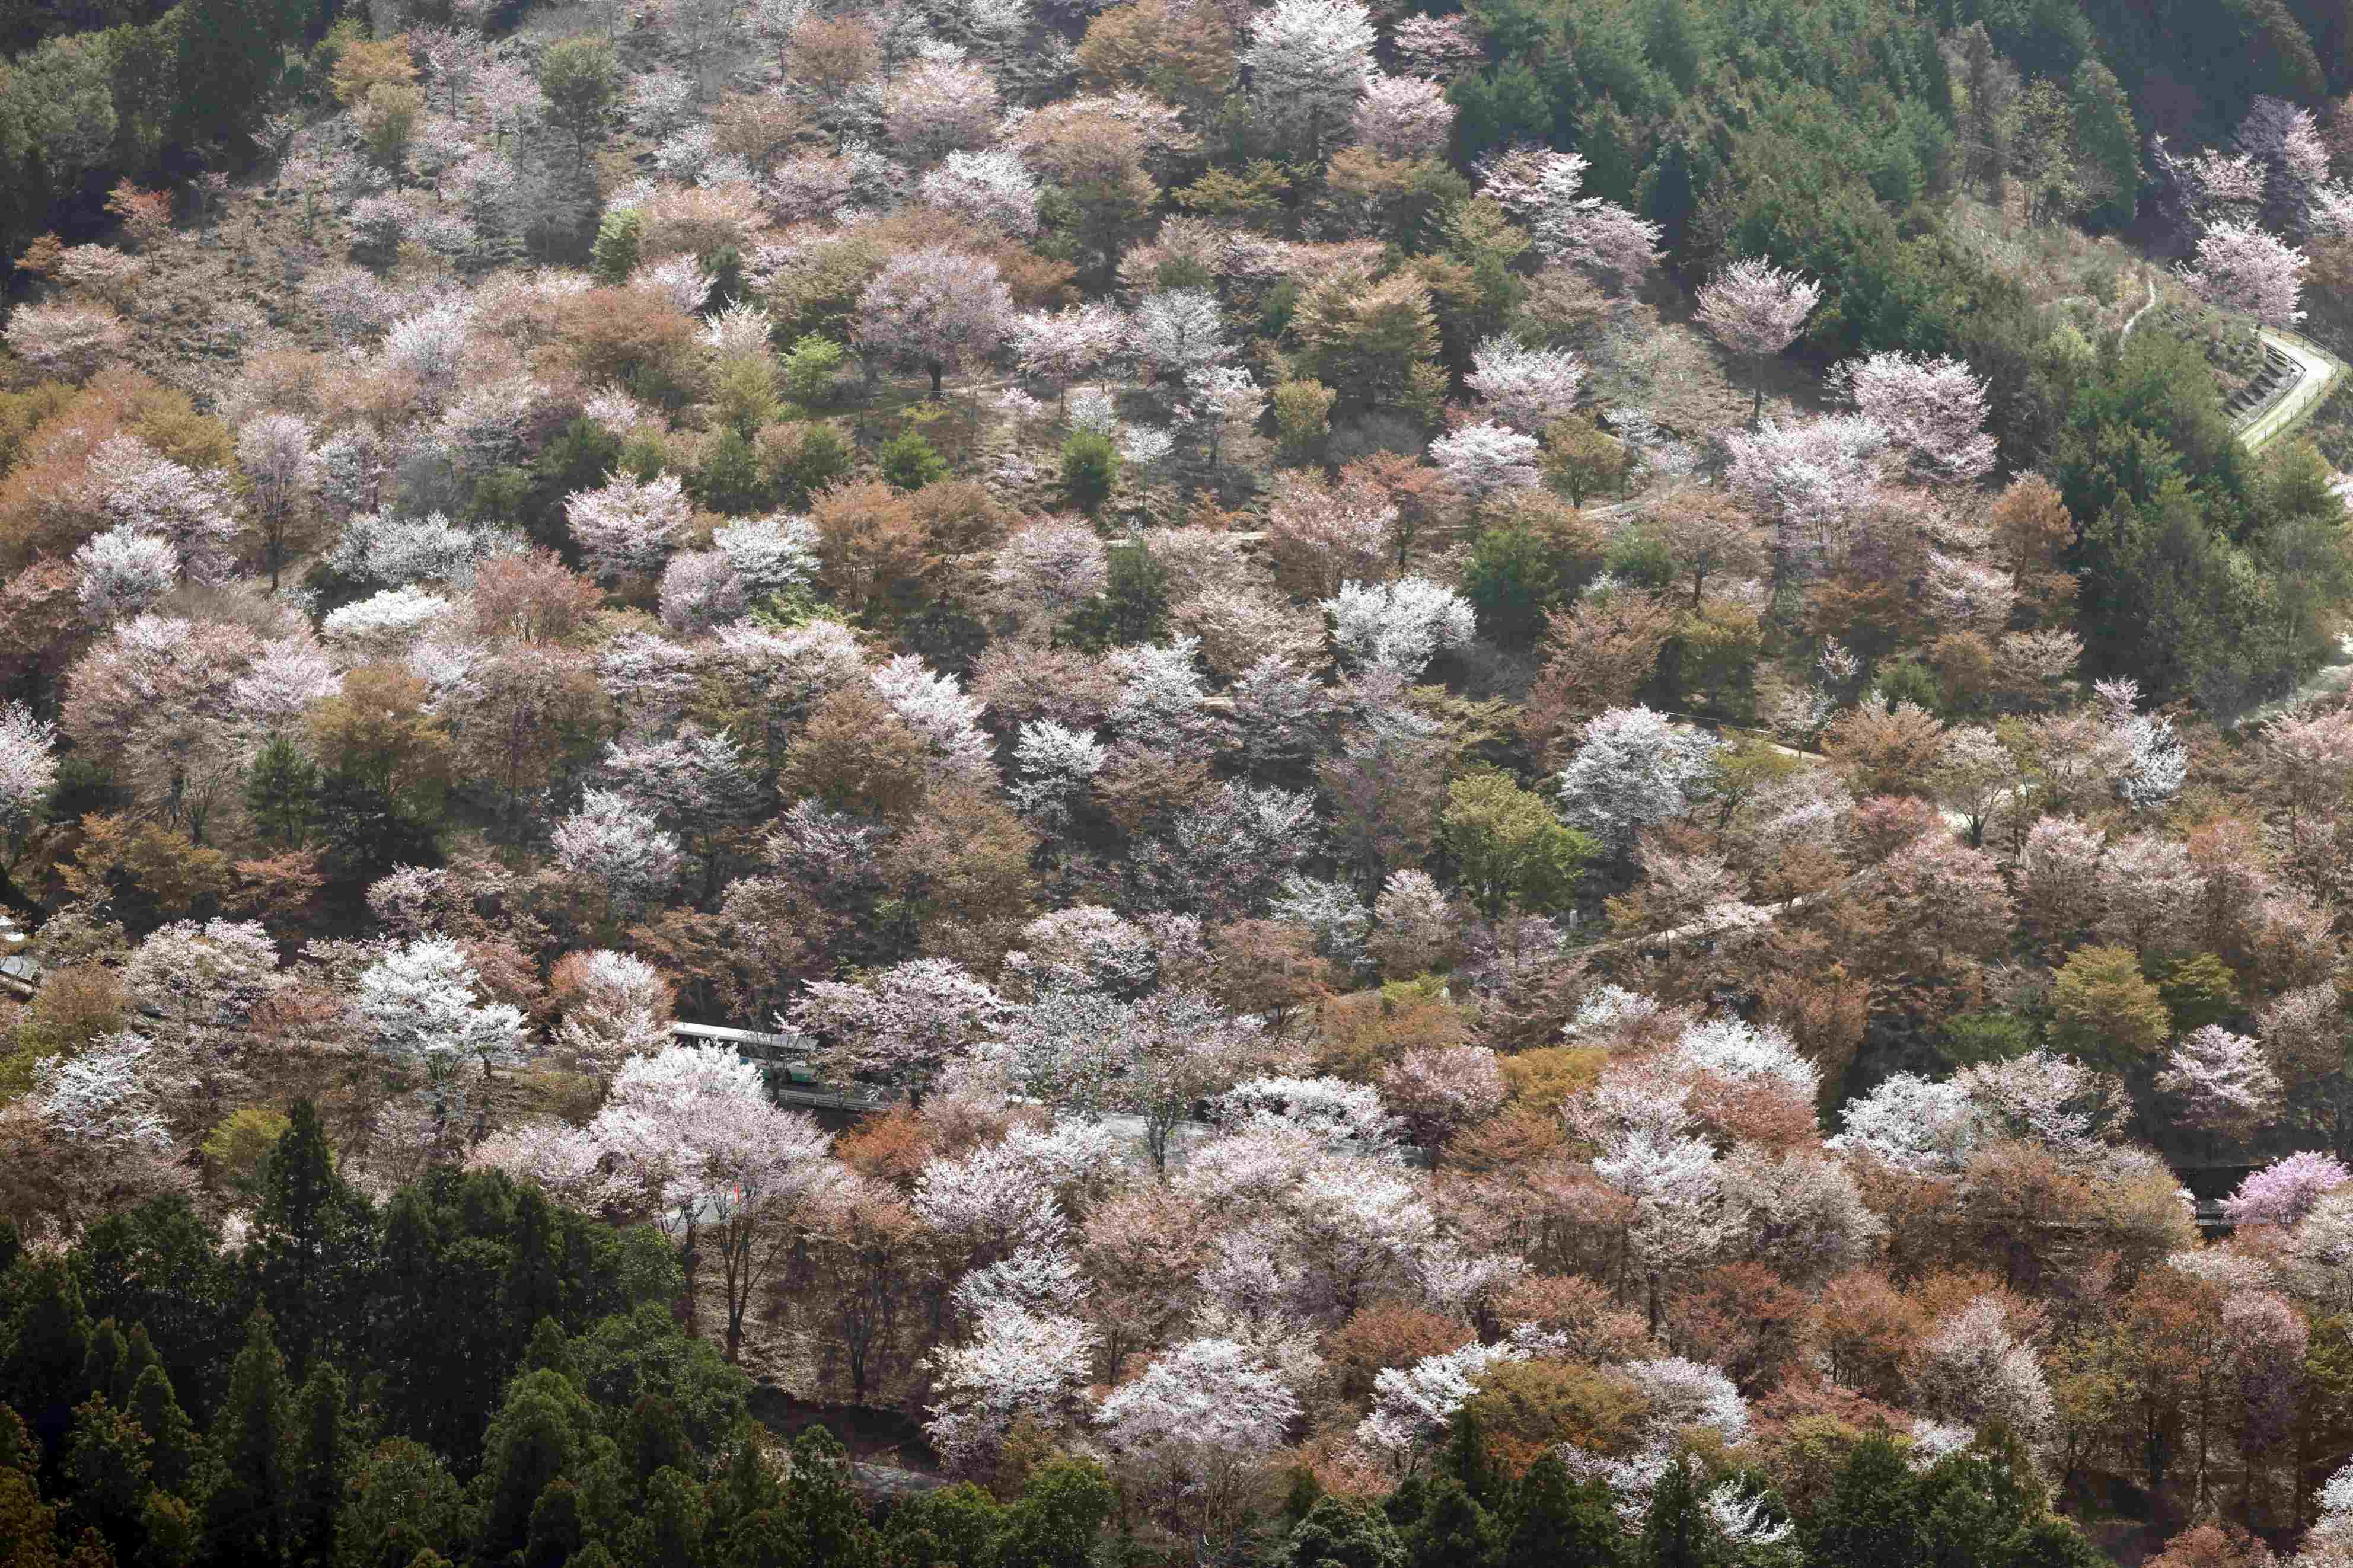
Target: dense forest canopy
x,y
1020,784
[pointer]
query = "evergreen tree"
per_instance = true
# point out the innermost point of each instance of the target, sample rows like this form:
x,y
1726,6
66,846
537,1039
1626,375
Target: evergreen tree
x,y
556,1534
158,1267
313,1242
1344,1534
1554,1520
668,1531
1871,1517
1453,1531
1677,1531
549,1350
104,1367
318,1466
1061,1511
106,1473
545,1429
246,1516
47,1344
533,1290
282,790
171,1443
656,1439
820,1510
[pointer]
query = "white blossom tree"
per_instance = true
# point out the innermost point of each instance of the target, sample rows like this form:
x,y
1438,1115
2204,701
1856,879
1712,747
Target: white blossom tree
x,y
1055,767
992,185
1180,332
1398,626
2221,1081
417,1005
1528,388
1485,459
1017,1365
1634,769
625,848
1402,117
1756,309
628,526
1933,409
1196,1428
123,572
1307,61
770,554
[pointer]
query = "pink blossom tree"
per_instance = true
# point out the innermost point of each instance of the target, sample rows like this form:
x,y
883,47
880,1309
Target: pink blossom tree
x,y
67,339
1307,60
1194,1429
1756,309
1019,1364
1486,459
940,309
936,107
2241,268
617,843
1402,117
903,1027
2286,1190
1933,411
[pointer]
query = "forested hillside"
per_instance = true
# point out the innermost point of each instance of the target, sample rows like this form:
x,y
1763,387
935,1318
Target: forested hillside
x,y
1564,784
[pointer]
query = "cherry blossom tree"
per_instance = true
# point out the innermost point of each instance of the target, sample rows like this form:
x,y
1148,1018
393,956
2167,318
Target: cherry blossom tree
x,y
70,339
2221,1081
992,185
937,106
1308,59
29,771
769,555
138,488
1055,767
1065,347
1019,1364
936,708
1438,1090
1196,1428
2284,1192
1398,626
625,848
1402,117
2241,268
697,783
1973,1369
1180,332
939,310
1933,411
628,526
903,1027
274,452
1052,564
1528,388
1486,459
1634,769
1756,309
104,1095
1809,481
418,1006
123,572
1545,190
615,1006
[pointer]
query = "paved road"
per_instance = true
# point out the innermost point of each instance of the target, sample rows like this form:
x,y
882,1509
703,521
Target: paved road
x,y
2316,372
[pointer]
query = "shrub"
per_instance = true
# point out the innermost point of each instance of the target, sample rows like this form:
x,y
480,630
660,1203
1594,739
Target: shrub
x,y
1090,469
909,461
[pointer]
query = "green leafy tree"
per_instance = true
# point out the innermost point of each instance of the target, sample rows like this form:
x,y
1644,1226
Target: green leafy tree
x,y
1871,1517
1344,1534
2106,1011
106,1473
318,1464
619,234
579,79
1062,1511
171,1443
1509,849
1677,1531
910,462
47,1344
1090,469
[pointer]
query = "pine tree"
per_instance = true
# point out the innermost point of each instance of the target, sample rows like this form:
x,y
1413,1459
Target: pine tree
x,y
106,1472
245,1516
533,1291
669,1531
321,1461
545,1429
556,1528
1344,1534
1453,1531
1871,1515
137,1355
